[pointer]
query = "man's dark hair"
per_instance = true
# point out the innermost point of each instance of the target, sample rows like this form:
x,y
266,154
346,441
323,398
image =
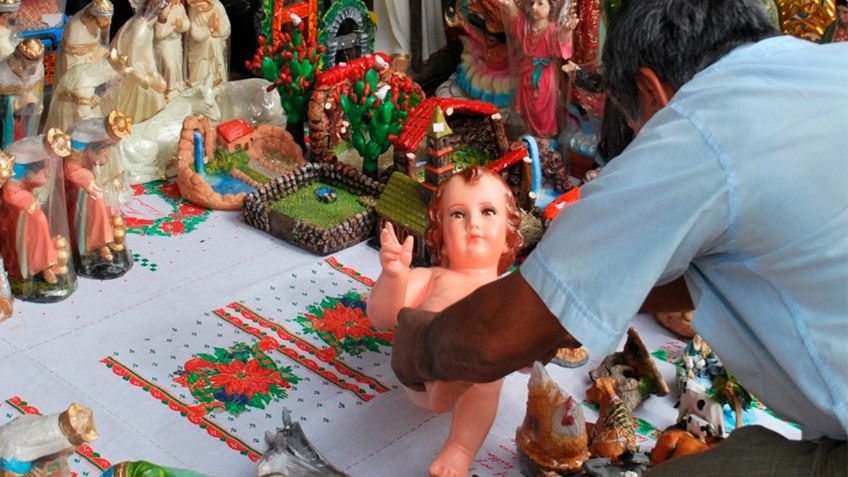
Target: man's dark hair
x,y
676,39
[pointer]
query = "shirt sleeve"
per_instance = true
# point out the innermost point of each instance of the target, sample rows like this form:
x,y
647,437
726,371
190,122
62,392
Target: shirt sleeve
x,y
654,208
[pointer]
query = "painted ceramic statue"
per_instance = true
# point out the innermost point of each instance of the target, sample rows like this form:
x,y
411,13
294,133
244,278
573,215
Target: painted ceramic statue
x,y
838,30
92,188
21,85
473,236
33,446
168,32
78,94
141,92
206,45
85,38
33,223
8,36
542,35
6,298
143,468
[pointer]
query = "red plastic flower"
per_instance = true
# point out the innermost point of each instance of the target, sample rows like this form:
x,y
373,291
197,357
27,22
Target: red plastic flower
x,y
246,378
343,322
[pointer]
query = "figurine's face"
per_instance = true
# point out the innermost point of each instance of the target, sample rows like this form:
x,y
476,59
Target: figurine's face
x,y
540,9
474,222
842,14
103,22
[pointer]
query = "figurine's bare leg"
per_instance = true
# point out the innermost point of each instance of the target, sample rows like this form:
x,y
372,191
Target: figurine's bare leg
x,y
472,418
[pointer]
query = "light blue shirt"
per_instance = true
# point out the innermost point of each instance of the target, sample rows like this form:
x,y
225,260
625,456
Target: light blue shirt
x,y
740,185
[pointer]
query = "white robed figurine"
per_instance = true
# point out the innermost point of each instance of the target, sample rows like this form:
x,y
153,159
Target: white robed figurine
x,y
29,443
168,45
8,36
141,93
206,46
85,38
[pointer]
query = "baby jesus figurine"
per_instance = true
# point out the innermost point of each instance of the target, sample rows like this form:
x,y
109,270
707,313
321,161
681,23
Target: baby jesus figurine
x,y
473,236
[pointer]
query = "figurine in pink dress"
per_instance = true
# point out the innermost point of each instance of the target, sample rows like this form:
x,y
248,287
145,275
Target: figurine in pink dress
x,y
541,42
473,236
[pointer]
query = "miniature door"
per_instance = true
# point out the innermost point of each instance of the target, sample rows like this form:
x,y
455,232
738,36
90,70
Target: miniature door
x,y
34,232
21,90
93,185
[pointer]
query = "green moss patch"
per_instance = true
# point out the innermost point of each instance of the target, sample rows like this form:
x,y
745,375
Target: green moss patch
x,y
304,205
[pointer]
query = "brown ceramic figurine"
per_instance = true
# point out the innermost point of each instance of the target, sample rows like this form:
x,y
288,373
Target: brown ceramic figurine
x,y
633,370
613,434
552,438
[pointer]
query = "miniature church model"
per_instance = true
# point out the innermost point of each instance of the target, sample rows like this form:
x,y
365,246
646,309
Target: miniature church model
x,y
439,155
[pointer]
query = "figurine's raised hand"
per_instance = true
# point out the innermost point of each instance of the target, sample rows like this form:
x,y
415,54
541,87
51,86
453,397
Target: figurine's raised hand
x,y
394,256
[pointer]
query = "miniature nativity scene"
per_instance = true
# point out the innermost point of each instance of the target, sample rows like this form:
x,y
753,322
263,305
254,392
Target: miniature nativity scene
x,y
329,145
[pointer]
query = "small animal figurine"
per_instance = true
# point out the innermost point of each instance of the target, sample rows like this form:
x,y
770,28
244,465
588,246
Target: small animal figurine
x,y
633,370
30,445
675,443
552,437
290,453
613,435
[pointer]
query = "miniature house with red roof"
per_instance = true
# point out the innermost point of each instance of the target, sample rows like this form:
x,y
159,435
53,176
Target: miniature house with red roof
x,y
234,135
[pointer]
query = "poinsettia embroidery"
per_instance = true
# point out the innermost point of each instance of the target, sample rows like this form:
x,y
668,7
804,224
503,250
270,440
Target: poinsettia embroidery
x,y
341,322
235,379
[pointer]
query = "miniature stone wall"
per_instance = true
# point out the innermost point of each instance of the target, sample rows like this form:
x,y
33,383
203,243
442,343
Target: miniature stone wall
x,y
257,208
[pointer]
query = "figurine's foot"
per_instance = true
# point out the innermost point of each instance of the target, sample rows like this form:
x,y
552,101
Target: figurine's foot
x,y
453,461
116,247
49,276
105,253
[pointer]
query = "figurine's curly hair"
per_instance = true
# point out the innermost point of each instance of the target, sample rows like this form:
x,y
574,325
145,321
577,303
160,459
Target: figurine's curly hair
x,y
514,239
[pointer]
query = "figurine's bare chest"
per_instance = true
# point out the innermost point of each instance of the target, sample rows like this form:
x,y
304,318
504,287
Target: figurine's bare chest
x,y
449,287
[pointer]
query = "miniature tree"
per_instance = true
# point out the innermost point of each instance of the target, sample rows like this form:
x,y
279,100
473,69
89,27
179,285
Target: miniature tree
x,y
727,390
377,114
291,62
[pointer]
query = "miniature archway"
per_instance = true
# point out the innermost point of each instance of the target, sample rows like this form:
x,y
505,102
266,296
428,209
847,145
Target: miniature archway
x,y
346,27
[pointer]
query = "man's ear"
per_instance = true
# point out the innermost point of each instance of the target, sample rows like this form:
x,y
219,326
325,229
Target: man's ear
x,y
654,93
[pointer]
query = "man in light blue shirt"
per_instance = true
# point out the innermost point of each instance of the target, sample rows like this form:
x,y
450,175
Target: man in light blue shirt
x,y
733,196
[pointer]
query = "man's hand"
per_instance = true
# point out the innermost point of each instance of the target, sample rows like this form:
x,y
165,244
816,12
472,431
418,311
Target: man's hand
x,y
411,322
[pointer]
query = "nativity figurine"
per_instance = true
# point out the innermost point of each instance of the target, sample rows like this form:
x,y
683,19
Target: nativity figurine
x,y
141,92
33,223
32,444
473,235
21,87
168,32
207,41
85,38
93,184
8,34
542,34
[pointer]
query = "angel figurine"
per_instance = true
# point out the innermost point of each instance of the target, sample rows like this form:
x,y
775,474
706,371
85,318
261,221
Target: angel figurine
x,y
141,92
21,84
85,38
542,34
473,236
206,45
94,215
168,32
8,36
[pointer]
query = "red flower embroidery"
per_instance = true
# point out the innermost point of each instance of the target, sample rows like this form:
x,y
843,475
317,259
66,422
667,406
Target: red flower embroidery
x,y
136,223
343,322
174,228
246,379
191,210
137,189
171,190
327,355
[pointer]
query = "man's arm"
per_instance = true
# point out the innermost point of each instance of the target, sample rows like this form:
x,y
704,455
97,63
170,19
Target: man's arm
x,y
501,327
672,297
